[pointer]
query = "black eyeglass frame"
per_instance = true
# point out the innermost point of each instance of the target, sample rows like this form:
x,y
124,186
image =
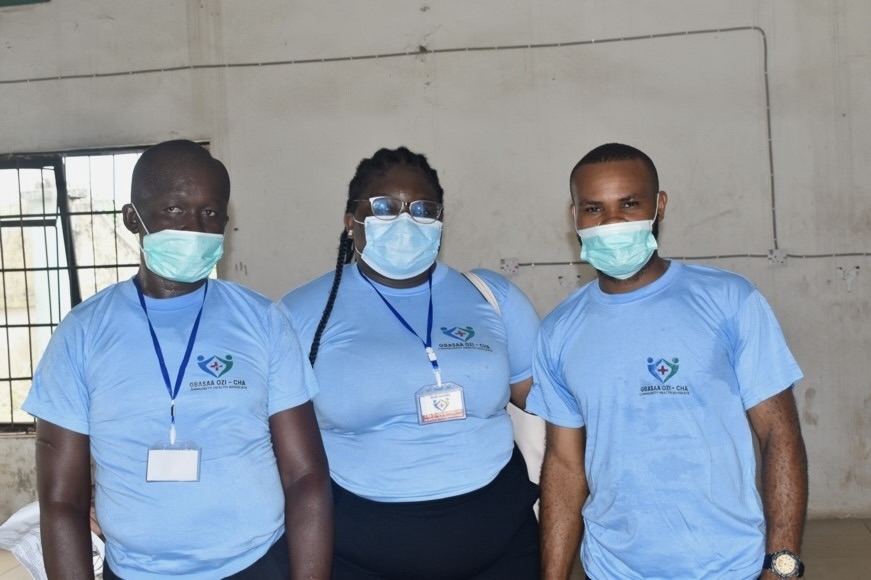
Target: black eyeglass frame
x,y
410,206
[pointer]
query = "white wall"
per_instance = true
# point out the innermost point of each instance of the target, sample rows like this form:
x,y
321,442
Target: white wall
x,y
504,97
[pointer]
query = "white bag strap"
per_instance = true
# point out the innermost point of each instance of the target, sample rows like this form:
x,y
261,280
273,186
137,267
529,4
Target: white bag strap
x,y
528,429
484,289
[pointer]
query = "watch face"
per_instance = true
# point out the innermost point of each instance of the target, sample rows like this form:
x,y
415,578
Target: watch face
x,y
784,564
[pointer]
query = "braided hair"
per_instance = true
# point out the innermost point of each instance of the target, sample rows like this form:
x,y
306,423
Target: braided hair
x,y
367,171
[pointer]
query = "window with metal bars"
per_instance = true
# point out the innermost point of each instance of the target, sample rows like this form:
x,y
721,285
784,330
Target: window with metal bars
x,y
62,240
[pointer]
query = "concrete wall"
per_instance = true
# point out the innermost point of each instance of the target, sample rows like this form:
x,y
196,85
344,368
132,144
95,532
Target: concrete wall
x,y
756,112
17,474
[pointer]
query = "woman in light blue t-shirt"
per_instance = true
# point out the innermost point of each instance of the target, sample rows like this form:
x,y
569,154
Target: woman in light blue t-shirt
x,y
415,368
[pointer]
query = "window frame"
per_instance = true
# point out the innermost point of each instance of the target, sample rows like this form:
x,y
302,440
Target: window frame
x,y
62,218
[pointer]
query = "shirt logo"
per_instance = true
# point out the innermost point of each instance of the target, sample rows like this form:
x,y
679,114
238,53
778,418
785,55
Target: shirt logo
x,y
215,365
462,336
441,403
459,332
662,369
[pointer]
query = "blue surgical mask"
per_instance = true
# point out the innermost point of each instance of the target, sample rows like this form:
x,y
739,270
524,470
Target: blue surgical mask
x,y
400,248
181,255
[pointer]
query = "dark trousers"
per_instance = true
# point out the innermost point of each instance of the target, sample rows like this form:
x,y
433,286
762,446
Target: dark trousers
x,y
488,534
274,565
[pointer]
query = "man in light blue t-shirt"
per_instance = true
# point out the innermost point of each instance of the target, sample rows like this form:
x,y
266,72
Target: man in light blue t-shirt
x,y
193,398
653,380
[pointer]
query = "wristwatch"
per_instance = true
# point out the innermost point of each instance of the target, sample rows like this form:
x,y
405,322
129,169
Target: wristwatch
x,y
784,564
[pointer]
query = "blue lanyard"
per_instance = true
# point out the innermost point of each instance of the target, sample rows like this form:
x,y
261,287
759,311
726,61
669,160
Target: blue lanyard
x,y
427,344
173,391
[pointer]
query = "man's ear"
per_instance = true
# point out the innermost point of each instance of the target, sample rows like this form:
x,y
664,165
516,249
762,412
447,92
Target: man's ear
x,y
131,220
660,210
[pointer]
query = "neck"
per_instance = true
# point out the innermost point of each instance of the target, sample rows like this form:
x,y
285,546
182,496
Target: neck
x,y
367,271
154,286
649,273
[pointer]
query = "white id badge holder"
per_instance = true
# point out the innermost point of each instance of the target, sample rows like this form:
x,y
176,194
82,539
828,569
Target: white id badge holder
x,y
438,403
179,461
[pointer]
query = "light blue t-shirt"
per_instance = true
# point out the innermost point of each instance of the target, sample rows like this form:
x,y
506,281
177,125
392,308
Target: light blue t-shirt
x,y
100,376
662,378
369,367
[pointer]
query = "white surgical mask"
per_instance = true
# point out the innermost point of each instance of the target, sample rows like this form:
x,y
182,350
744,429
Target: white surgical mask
x,y
400,248
181,255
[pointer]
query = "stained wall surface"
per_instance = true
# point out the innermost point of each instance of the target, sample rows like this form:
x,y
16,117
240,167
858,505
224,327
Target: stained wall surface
x,y
756,113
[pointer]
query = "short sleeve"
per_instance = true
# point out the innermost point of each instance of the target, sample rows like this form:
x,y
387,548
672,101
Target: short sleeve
x,y
291,379
764,365
521,323
59,393
550,397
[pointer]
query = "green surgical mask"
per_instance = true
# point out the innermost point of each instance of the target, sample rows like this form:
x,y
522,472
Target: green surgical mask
x,y
619,250
181,255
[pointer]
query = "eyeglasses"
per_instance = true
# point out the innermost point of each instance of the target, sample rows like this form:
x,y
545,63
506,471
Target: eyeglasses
x,y
388,208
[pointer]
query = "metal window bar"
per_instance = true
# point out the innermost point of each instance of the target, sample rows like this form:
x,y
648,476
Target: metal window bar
x,y
21,284
82,248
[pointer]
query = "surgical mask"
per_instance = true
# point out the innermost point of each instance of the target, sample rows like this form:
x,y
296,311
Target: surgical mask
x,y
619,250
181,255
400,248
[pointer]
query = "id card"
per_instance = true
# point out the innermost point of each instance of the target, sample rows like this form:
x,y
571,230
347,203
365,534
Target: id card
x,y
173,462
437,404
